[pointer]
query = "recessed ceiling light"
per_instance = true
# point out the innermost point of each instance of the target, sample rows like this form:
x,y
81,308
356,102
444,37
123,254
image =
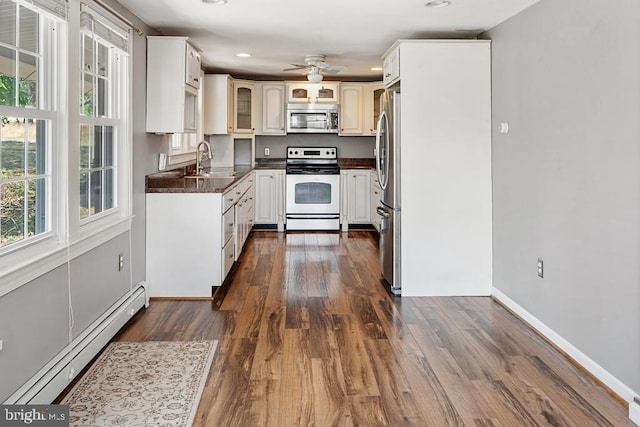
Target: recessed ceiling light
x,y
243,55
438,3
376,68
215,1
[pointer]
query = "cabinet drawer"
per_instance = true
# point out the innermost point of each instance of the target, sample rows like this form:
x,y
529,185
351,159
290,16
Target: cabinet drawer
x,y
227,226
227,258
245,185
229,199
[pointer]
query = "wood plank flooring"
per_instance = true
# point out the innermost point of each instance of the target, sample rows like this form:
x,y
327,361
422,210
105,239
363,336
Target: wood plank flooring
x,y
309,336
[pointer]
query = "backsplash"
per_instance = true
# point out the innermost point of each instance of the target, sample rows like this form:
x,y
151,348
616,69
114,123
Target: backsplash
x,y
351,147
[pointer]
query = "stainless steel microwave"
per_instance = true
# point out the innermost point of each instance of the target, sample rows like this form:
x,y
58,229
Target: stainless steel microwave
x,y
312,118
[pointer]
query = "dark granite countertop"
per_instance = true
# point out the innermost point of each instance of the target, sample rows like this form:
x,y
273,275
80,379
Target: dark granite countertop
x,y
353,163
175,181
271,163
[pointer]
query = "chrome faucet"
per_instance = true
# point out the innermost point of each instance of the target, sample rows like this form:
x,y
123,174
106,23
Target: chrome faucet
x,y
199,167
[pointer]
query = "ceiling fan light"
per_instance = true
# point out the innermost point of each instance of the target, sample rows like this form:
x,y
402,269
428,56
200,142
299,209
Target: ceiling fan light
x,y
314,77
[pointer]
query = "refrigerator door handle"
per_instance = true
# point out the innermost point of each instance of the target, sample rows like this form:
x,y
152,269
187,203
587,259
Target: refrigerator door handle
x,y
382,212
378,138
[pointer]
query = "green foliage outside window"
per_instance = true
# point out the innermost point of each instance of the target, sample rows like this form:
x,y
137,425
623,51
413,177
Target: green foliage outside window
x,y
8,92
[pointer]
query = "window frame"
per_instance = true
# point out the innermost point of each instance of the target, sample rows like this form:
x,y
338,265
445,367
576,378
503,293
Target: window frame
x,y
17,260
108,224
67,238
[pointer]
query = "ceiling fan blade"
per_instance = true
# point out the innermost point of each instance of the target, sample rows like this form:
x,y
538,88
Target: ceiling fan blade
x,y
297,67
334,69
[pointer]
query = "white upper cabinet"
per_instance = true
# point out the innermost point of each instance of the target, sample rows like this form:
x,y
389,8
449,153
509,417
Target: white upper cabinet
x,y
351,108
371,107
244,106
218,104
271,117
391,66
360,108
173,79
193,67
312,93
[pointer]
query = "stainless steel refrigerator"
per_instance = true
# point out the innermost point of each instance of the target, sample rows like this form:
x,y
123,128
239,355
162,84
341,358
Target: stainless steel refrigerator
x,y
388,167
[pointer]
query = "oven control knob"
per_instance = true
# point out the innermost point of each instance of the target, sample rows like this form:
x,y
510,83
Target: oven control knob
x,y
296,152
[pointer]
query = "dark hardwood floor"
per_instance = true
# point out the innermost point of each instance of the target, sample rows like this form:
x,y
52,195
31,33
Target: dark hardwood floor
x,y
309,336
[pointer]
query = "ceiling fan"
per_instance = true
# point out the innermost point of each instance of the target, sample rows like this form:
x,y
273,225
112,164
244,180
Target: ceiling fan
x,y
315,67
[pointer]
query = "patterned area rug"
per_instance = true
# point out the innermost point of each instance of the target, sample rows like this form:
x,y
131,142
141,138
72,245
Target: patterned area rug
x,y
155,383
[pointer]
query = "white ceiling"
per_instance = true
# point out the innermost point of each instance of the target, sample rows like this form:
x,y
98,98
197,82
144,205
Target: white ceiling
x,y
277,33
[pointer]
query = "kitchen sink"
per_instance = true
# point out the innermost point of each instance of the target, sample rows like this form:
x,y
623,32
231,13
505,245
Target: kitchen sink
x,y
169,174
213,174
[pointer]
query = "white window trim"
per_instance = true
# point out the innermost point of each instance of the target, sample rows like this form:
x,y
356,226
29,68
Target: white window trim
x,y
16,259
95,224
67,240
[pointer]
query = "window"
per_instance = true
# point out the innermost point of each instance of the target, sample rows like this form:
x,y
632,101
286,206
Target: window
x,y
103,92
61,187
27,115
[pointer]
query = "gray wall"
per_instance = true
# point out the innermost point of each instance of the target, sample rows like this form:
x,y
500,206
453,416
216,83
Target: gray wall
x,y
348,146
566,178
34,319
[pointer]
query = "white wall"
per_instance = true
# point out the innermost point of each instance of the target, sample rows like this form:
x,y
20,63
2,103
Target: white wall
x,y
566,178
445,168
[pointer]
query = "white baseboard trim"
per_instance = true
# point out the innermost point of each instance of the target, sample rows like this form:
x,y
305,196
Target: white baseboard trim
x,y
634,411
56,375
579,357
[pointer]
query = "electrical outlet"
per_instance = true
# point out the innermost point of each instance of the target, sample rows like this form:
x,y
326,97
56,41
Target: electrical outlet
x,y
267,151
540,268
1,345
120,262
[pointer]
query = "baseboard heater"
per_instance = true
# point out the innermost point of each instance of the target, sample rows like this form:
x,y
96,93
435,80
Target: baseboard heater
x,y
56,375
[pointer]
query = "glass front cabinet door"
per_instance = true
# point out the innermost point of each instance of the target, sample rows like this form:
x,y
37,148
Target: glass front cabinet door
x,y
243,121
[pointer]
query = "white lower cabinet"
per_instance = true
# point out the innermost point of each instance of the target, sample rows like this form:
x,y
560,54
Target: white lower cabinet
x,y
243,215
356,200
376,194
269,206
193,239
